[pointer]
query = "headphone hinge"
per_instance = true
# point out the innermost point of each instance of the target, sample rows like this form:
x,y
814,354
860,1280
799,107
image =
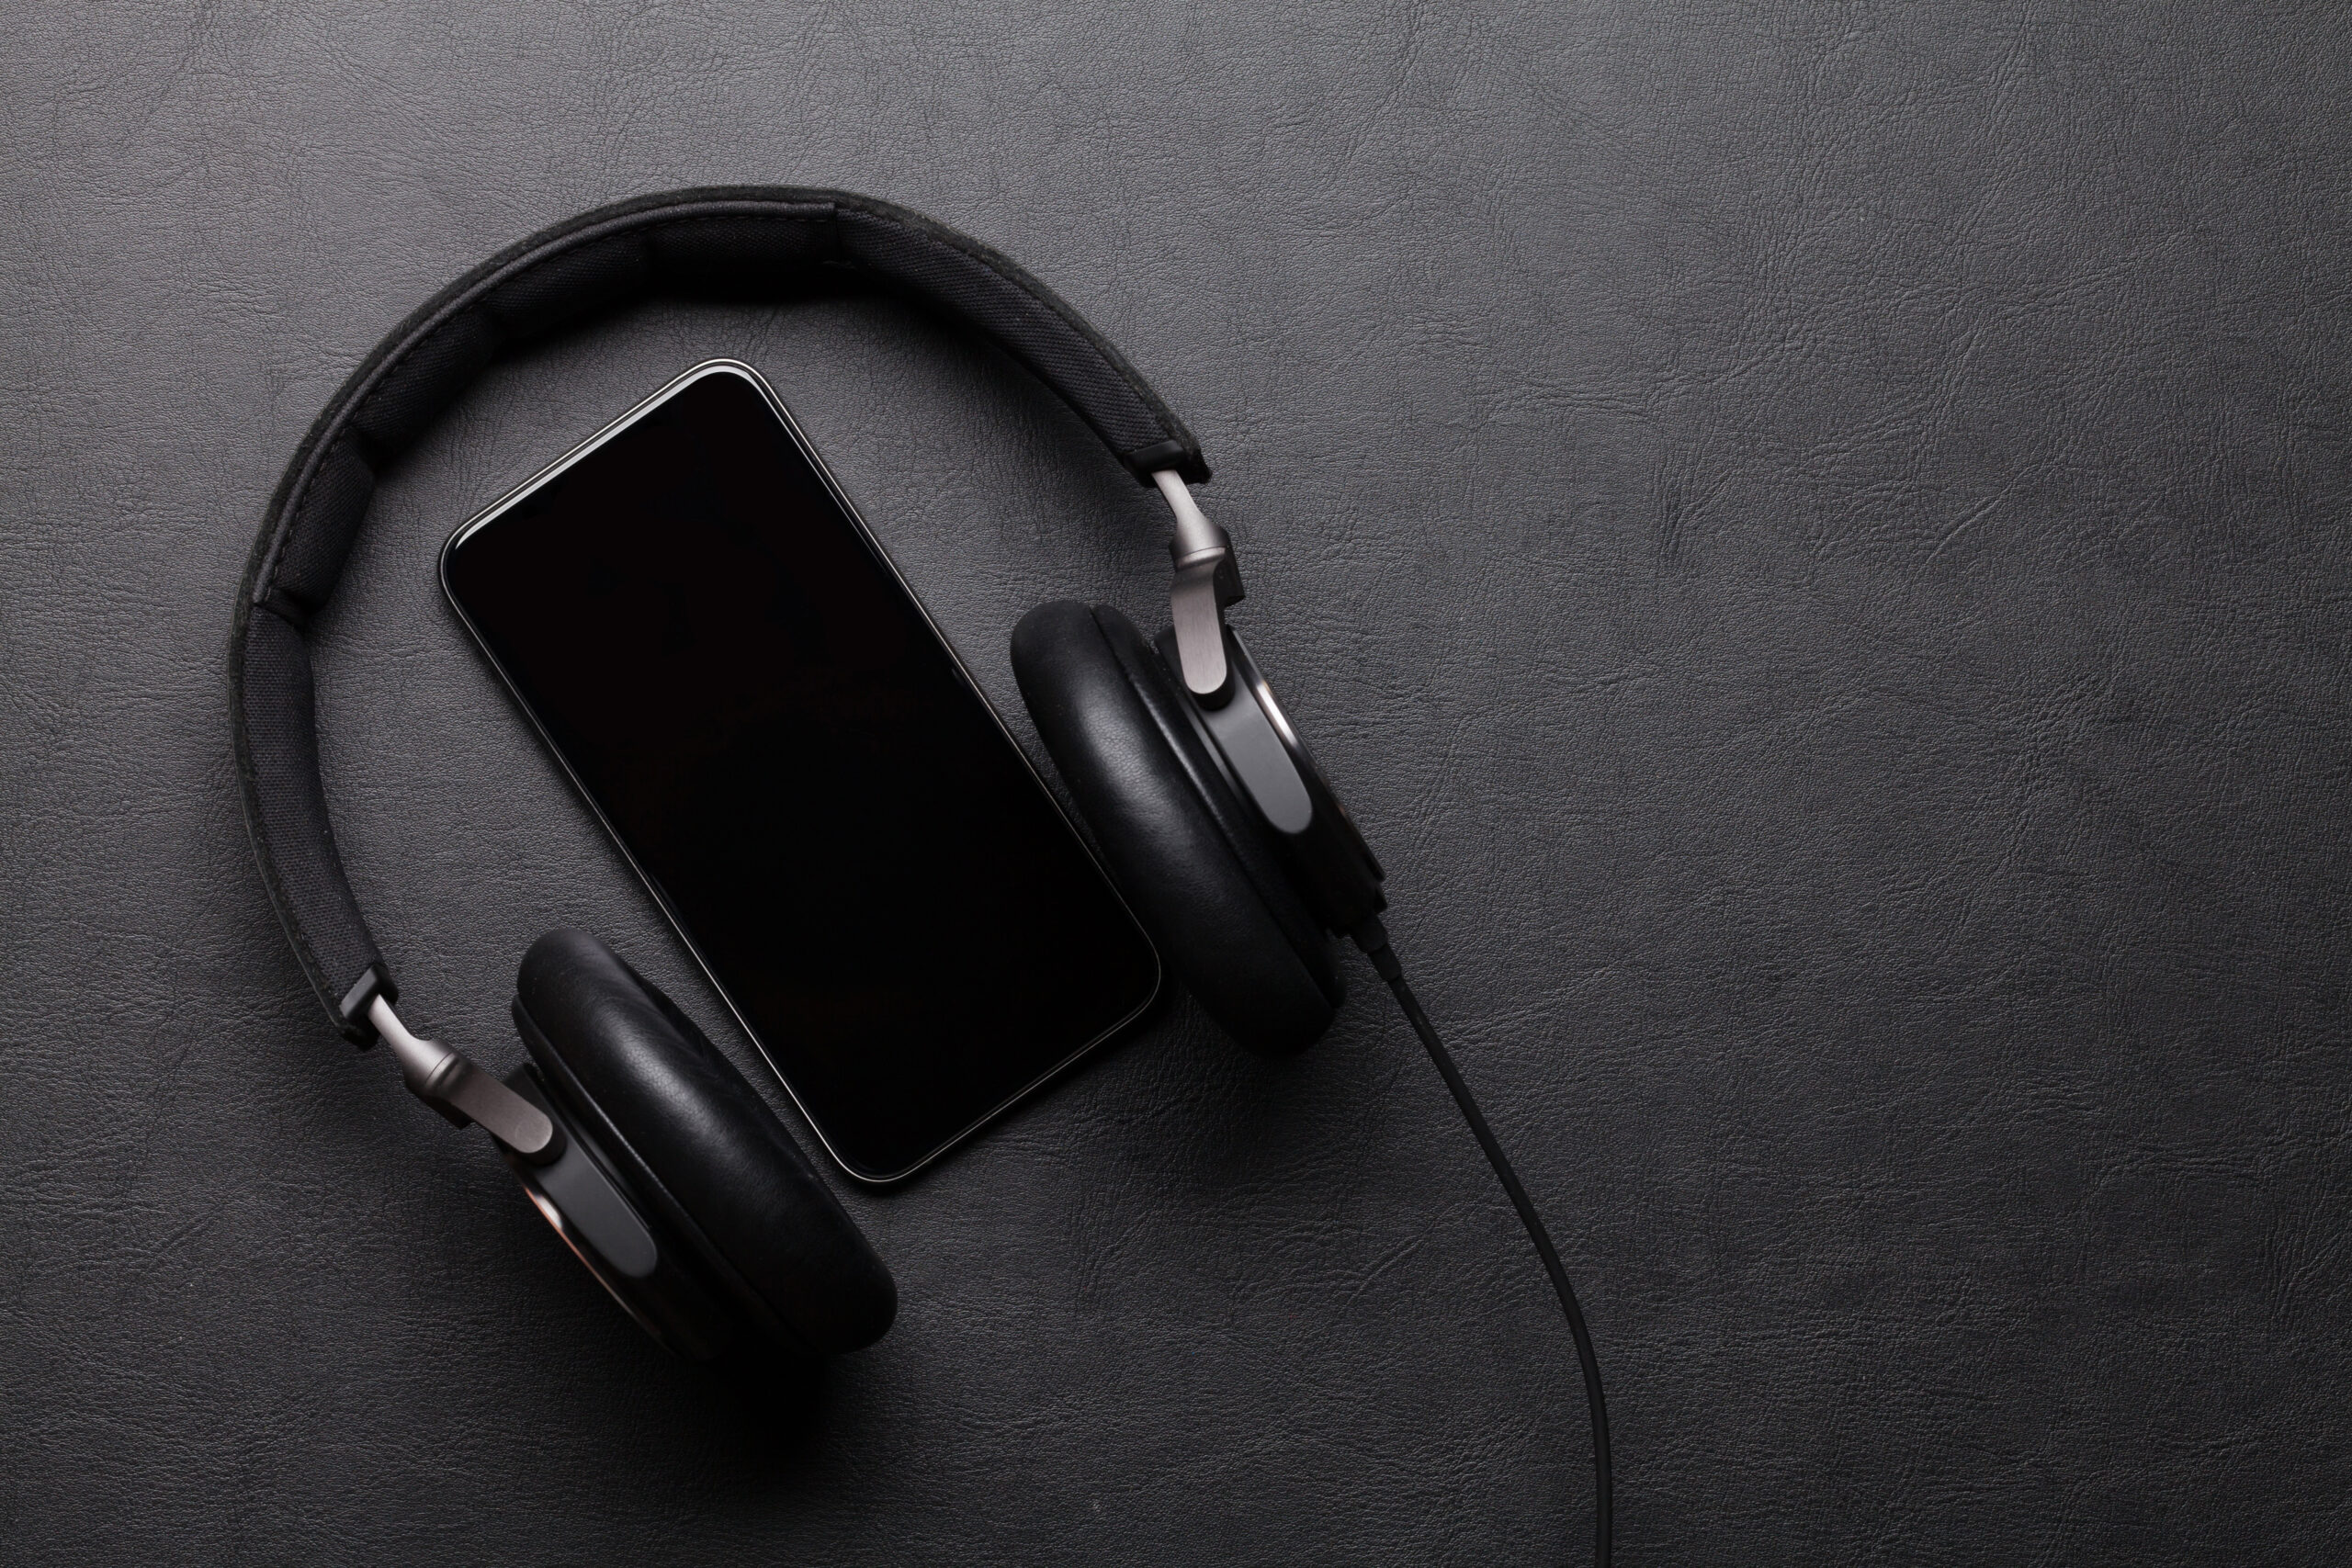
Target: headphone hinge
x,y
463,1093
1208,580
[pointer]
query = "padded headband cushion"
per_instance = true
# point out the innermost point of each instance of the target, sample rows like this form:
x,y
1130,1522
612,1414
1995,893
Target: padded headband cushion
x,y
1186,854
700,1145
752,242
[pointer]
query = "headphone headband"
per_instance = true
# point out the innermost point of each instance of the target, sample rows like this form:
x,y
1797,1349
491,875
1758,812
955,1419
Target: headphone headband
x,y
748,242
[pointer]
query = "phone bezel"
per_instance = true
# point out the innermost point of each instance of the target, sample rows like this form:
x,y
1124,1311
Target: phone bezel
x,y
872,542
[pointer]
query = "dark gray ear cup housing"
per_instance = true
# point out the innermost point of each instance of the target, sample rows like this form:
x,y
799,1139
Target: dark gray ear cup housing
x,y
700,1151
1184,849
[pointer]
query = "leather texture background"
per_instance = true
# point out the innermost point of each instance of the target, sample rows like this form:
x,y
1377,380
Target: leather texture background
x,y
1813,539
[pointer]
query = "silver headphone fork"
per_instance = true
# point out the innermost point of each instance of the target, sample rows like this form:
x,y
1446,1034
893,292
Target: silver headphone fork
x,y
451,1084
1208,578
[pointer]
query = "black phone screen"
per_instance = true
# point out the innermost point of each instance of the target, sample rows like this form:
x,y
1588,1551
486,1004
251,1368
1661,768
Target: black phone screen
x,y
794,760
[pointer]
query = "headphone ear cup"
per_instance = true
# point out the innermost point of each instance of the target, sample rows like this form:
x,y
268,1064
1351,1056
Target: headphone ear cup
x,y
700,1148
1178,840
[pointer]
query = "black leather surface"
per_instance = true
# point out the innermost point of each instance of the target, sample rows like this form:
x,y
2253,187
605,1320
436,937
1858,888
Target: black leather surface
x,y
1227,922
696,1144
1812,539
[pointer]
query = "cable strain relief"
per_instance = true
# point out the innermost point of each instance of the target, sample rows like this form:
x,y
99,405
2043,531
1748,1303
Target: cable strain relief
x,y
1372,937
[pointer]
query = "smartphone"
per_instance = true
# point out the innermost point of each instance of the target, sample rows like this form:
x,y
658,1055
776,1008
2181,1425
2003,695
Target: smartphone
x,y
720,654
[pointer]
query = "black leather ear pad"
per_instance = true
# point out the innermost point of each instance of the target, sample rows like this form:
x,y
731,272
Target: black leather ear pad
x,y
707,1154
1180,841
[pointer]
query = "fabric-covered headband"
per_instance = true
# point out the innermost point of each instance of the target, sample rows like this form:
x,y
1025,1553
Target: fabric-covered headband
x,y
752,243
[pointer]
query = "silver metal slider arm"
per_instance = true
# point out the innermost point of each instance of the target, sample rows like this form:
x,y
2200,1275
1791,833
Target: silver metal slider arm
x,y
462,1092
1208,578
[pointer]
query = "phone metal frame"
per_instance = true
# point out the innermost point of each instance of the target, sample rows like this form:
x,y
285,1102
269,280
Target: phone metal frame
x,y
874,543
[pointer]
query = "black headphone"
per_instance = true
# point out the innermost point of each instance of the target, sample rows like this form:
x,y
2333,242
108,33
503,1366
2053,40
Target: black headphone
x,y
657,1162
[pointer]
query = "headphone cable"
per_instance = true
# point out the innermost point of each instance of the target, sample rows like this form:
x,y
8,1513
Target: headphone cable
x,y
1373,939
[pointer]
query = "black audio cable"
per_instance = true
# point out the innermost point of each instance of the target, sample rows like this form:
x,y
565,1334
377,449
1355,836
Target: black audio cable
x,y
1373,939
